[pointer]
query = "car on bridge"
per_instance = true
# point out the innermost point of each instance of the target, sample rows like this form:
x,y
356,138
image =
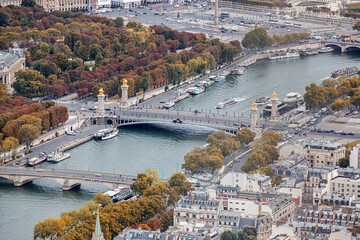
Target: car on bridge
x,y
177,120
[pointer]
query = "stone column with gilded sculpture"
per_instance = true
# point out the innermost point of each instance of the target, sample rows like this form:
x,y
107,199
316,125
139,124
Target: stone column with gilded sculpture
x,y
274,108
254,117
124,92
100,111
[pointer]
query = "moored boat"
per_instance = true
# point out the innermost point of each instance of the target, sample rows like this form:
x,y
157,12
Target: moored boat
x,y
284,55
325,49
226,103
208,83
348,71
56,156
239,71
262,100
120,194
106,133
309,52
220,78
197,91
38,159
169,105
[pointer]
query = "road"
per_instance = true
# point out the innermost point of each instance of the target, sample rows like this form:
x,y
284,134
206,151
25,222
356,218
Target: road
x,y
68,174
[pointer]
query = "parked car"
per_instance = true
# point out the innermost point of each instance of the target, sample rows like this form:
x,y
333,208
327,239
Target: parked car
x,y
71,133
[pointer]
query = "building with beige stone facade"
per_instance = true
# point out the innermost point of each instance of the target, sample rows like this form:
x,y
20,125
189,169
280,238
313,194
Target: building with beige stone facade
x,y
4,3
10,63
317,152
346,186
73,5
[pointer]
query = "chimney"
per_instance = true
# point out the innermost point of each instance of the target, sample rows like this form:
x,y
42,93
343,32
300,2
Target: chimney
x,y
205,197
259,209
212,202
192,197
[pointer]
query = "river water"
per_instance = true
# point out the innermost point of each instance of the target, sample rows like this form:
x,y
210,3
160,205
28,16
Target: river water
x,y
159,147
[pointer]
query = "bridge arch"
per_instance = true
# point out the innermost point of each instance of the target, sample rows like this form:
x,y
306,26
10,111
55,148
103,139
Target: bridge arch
x,y
352,49
109,121
336,47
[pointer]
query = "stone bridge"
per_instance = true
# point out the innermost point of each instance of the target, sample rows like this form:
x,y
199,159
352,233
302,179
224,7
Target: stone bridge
x,y
342,46
68,179
228,122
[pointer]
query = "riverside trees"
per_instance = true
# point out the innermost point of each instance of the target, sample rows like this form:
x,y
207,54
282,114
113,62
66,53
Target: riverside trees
x,y
258,38
339,92
148,212
60,48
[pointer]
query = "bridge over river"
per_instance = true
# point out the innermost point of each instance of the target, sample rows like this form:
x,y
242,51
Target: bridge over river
x,y
67,178
212,119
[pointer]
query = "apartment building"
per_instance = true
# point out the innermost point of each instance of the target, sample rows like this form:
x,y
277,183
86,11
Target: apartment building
x,y
247,182
346,186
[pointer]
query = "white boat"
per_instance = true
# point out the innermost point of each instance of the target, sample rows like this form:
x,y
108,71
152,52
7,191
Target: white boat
x,y
197,91
120,194
326,49
262,100
309,51
239,71
106,134
38,159
277,56
58,156
220,78
226,103
169,105
293,99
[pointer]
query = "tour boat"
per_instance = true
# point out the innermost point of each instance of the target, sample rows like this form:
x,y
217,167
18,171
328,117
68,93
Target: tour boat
x,y
106,134
309,52
293,100
325,49
197,91
226,103
212,77
277,56
262,100
239,71
56,156
120,194
220,78
348,71
38,159
208,83
169,105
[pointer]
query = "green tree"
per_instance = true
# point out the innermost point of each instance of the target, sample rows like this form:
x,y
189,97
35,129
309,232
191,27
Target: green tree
x,y
338,104
356,26
29,83
102,199
119,22
4,18
343,162
48,68
257,38
269,137
314,96
224,141
179,183
143,182
144,85
28,133
28,3
10,143
245,136
62,61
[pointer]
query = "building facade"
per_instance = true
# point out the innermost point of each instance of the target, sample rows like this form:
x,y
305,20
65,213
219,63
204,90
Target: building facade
x,y
73,5
10,63
247,182
4,3
346,186
354,157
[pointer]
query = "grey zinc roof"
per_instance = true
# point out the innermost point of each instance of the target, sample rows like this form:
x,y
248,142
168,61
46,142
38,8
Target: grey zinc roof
x,y
201,199
7,59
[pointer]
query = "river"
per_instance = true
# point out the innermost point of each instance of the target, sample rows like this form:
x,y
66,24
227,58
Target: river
x,y
157,147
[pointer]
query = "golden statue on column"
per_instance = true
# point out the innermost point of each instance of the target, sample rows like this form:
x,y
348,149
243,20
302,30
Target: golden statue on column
x,y
101,91
253,105
124,82
274,95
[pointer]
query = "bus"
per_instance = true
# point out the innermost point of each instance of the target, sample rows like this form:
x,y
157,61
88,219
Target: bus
x,y
224,15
